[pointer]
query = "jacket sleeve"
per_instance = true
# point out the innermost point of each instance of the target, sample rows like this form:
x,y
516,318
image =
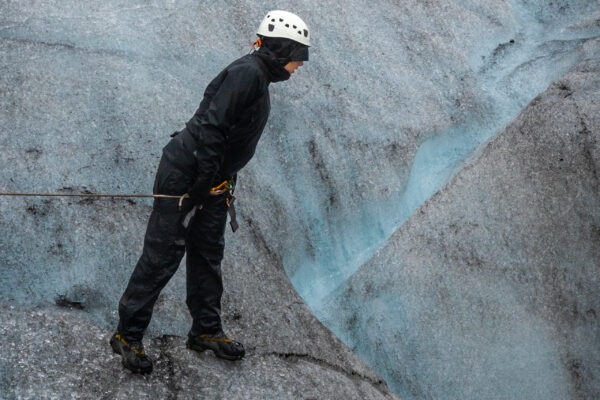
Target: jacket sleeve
x,y
237,90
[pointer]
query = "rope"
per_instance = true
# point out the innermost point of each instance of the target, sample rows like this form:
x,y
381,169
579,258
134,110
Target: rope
x,y
160,196
216,191
164,196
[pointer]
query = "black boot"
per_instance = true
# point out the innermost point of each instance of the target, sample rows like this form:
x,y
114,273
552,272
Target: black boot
x,y
219,343
134,357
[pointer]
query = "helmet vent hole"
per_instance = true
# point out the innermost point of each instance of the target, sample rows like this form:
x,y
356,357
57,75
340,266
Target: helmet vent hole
x,y
299,32
294,26
280,19
268,16
271,27
273,20
305,33
287,25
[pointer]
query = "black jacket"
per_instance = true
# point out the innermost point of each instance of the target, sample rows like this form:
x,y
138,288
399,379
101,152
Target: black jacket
x,y
222,135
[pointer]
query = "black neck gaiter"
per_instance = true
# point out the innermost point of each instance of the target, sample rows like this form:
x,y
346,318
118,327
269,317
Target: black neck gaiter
x,y
274,64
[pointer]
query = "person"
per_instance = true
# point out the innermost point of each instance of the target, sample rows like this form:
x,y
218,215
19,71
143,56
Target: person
x,y
202,162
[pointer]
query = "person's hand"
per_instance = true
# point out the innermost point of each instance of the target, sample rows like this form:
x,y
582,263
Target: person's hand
x,y
199,192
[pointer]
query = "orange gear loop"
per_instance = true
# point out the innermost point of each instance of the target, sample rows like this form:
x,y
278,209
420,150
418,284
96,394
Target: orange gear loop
x,y
224,187
219,187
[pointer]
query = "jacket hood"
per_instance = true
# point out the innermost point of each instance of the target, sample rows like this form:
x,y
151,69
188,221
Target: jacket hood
x,y
273,67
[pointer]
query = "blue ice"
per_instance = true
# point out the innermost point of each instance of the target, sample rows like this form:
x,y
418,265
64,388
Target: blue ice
x,y
511,76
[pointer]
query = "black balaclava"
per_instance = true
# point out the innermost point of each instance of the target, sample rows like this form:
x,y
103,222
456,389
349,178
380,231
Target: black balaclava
x,y
278,52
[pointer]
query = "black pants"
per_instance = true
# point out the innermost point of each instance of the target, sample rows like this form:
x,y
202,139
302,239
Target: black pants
x,y
165,243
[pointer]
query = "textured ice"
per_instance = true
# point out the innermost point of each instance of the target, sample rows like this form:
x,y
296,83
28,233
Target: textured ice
x,y
42,358
491,289
89,94
530,45
350,137
395,96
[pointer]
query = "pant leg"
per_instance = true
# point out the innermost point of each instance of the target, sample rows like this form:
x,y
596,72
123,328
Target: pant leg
x,y
164,247
205,243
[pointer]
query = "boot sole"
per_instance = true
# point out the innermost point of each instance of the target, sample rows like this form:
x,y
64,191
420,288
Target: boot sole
x,y
200,349
117,350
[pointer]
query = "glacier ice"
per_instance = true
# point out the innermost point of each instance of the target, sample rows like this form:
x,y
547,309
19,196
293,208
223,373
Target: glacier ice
x,y
490,290
396,96
531,48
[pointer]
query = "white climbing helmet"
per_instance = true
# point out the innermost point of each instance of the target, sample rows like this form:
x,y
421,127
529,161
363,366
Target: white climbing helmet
x,y
284,24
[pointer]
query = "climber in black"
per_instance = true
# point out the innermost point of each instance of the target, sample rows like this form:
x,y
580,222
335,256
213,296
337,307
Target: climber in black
x,y
202,161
